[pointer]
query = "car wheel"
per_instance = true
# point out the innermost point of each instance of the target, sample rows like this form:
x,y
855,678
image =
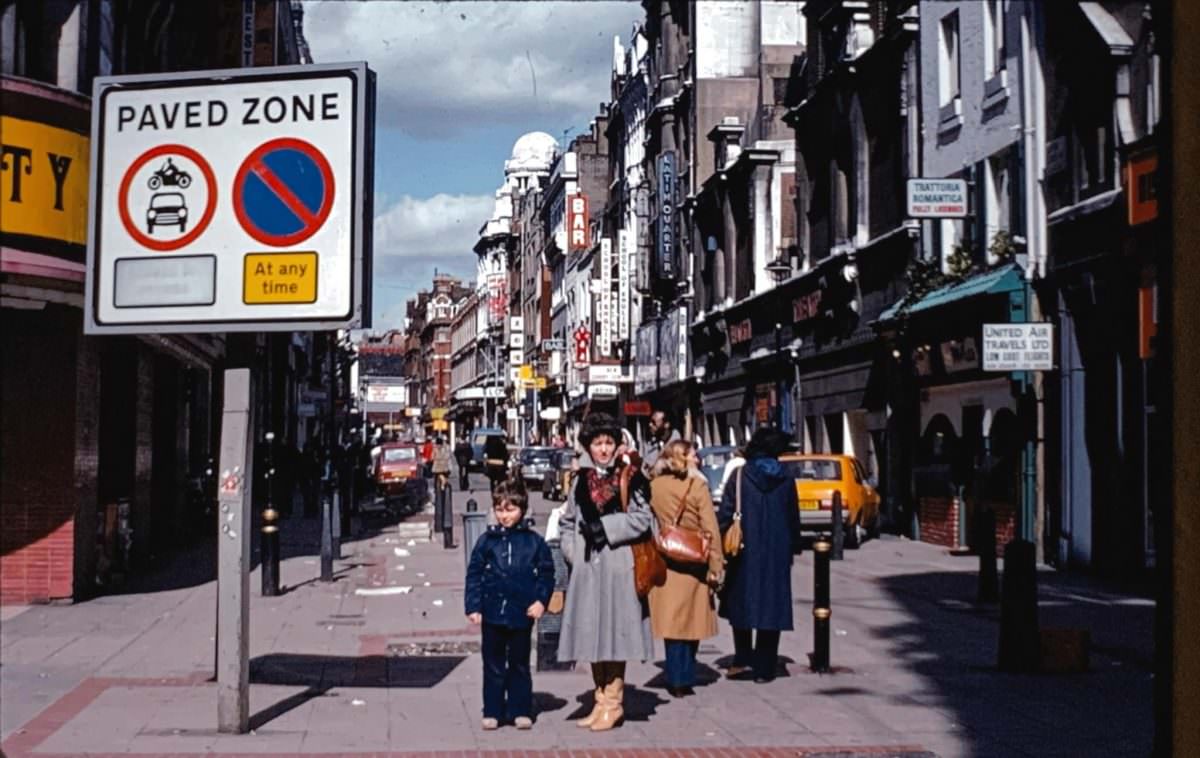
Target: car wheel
x,y
851,537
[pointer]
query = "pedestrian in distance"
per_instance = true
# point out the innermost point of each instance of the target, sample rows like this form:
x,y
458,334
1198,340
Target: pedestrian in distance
x,y
462,456
661,434
682,611
495,459
509,582
441,463
605,623
757,596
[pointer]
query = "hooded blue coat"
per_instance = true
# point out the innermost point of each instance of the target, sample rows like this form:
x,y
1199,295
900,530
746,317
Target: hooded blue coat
x,y
510,570
758,582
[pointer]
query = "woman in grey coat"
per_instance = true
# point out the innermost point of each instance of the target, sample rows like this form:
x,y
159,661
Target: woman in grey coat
x,y
605,623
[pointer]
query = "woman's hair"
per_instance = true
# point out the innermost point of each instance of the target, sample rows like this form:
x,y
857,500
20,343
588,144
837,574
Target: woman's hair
x,y
596,425
674,458
767,442
511,491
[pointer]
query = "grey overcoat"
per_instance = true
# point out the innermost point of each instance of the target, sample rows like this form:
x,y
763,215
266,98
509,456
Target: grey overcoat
x,y
604,619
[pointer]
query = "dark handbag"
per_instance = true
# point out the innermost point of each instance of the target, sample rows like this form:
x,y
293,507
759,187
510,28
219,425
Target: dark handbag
x,y
649,568
732,542
683,545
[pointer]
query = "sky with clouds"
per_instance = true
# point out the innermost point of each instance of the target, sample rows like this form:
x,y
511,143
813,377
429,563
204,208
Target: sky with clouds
x,y
458,83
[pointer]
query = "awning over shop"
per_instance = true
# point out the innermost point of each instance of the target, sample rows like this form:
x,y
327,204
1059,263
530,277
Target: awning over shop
x,y
837,391
1005,279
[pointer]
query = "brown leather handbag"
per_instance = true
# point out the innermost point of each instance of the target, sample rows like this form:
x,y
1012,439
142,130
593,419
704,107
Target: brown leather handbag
x,y
683,545
649,568
733,541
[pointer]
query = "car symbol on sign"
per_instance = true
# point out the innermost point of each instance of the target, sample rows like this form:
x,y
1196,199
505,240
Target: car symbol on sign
x,y
166,209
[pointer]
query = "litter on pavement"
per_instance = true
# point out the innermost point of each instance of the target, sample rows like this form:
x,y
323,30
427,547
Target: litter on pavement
x,y
438,603
401,552
370,591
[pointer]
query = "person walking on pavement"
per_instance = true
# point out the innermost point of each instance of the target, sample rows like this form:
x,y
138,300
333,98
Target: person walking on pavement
x,y
462,456
661,434
604,622
757,596
509,582
441,464
682,611
495,459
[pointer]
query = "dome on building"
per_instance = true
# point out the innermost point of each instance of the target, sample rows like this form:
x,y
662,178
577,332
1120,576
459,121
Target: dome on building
x,y
532,153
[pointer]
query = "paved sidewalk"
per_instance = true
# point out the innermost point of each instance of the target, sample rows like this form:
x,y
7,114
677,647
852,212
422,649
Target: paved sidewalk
x,y
337,672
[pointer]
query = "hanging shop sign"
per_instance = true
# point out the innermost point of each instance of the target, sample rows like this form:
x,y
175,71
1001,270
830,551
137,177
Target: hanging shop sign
x,y
231,200
583,346
625,264
666,216
497,288
604,300
577,223
603,390
611,373
637,408
1018,347
937,198
646,358
807,306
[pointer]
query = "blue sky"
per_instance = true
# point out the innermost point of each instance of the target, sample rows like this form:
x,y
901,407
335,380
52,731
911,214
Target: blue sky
x,y
459,82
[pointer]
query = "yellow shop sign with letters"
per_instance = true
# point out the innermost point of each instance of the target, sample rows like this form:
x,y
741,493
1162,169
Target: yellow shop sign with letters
x,y
43,181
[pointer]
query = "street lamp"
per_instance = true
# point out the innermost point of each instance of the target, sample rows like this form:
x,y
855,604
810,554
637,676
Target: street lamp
x,y
779,269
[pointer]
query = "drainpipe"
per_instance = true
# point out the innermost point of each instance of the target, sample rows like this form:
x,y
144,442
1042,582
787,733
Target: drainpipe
x,y
1033,110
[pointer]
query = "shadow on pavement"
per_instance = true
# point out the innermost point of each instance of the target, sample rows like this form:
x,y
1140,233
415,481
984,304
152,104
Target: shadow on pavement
x,y
640,704
319,674
951,642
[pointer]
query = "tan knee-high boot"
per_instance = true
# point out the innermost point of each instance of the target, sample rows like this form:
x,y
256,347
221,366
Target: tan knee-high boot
x,y
614,698
599,678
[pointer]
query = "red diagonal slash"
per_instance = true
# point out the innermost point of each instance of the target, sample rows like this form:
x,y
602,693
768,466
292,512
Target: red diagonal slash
x,y
285,194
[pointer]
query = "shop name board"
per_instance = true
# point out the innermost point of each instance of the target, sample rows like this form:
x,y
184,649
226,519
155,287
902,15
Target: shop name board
x,y
807,306
740,331
604,301
603,390
577,222
937,198
625,263
231,200
666,215
387,393
610,373
1018,347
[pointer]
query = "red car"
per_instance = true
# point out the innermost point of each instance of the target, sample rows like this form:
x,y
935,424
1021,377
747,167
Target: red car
x,y
398,464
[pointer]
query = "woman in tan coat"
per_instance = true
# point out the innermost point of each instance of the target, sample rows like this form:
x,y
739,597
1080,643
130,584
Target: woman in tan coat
x,y
682,611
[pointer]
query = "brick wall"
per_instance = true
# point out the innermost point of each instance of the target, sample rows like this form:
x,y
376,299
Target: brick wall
x,y
1006,523
938,517
38,501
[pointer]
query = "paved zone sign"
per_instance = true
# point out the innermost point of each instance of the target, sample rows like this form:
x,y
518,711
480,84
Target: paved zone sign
x,y
234,200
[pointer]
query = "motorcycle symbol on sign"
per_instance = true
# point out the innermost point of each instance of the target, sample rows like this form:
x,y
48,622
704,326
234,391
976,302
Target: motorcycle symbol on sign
x,y
169,175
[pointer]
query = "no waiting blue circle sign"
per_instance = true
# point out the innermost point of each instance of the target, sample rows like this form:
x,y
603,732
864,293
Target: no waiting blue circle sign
x,y
283,192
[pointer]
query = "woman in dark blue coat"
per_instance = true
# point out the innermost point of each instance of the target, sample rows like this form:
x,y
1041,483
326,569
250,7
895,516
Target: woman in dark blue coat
x,y
757,597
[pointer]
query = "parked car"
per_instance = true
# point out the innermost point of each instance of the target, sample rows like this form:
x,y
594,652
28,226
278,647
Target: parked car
x,y
818,476
479,438
564,471
398,469
534,463
712,465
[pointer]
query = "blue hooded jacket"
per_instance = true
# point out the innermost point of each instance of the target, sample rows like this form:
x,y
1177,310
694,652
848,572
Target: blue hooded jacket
x,y
510,570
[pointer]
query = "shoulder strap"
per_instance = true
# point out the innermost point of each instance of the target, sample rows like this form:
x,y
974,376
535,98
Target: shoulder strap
x,y
737,508
683,501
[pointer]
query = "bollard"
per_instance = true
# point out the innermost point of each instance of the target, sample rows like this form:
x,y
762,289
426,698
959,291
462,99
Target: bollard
x,y
326,538
336,522
549,626
472,506
1020,639
474,525
839,527
270,552
447,513
439,506
819,661
985,543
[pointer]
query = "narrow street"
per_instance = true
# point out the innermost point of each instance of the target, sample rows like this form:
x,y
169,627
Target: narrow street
x,y
336,671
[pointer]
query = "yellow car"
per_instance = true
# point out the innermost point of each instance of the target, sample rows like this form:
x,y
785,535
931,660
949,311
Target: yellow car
x,y
818,476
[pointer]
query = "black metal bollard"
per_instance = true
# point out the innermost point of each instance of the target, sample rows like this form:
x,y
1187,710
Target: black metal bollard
x,y
985,543
326,538
336,521
839,527
819,661
438,505
1020,638
447,513
270,552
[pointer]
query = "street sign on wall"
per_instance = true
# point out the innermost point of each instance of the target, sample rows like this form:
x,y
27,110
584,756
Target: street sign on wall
x,y
666,216
230,200
937,198
1018,347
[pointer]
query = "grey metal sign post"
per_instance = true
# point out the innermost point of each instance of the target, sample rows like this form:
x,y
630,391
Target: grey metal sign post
x,y
233,556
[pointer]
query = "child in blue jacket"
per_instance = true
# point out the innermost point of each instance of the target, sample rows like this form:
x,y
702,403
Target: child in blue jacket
x,y
509,581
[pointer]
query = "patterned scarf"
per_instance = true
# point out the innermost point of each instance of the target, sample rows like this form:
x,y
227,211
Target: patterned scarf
x,y
598,495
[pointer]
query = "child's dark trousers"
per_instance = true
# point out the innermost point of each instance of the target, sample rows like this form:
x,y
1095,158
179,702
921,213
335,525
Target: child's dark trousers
x,y
506,679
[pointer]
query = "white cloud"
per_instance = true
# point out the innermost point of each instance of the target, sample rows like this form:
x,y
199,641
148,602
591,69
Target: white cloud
x,y
442,225
445,67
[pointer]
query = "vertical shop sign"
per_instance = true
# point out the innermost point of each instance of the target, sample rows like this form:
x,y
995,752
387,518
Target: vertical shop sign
x,y
604,308
666,215
625,265
577,222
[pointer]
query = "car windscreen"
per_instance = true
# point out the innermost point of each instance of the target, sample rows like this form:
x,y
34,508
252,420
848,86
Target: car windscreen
x,y
715,458
398,454
817,470
168,200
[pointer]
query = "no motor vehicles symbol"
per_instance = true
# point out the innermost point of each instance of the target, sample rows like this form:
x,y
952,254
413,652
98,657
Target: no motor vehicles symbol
x,y
283,192
160,194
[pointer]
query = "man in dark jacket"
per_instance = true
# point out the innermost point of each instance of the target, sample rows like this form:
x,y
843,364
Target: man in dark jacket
x,y
509,582
757,596
495,459
462,456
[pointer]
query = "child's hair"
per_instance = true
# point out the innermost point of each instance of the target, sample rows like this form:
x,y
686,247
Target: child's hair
x,y
511,491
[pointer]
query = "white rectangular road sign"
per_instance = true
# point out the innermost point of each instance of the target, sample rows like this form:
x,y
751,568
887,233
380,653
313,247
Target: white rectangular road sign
x,y
1018,347
937,198
234,200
